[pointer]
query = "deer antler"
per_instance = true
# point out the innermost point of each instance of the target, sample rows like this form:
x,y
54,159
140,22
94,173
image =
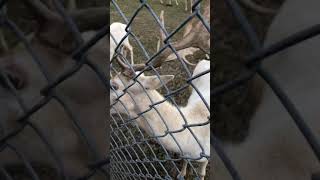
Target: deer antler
x,y
138,67
197,37
162,37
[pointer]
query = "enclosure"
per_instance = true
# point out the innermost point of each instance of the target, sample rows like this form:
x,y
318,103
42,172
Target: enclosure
x,y
45,122
241,74
55,85
154,35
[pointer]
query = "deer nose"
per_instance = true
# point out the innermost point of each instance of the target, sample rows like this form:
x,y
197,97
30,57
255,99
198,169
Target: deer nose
x,y
114,85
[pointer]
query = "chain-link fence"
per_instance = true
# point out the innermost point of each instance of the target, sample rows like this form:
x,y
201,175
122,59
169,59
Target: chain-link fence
x,y
159,130
254,67
44,120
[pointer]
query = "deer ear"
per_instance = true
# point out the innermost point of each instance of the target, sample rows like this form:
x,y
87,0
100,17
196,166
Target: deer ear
x,y
153,82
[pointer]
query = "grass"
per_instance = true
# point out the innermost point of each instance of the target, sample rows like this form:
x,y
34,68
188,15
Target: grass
x,y
147,30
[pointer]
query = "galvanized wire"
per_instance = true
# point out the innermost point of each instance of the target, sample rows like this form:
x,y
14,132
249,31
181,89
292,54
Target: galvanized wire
x,y
253,65
49,95
134,153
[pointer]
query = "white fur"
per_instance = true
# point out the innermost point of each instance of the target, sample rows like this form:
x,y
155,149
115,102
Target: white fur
x,y
195,112
118,31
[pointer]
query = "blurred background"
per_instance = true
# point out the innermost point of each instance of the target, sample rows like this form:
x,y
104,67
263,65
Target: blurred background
x,y
234,108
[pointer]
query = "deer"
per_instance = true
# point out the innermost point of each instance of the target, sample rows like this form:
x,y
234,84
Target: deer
x,y
275,148
118,32
137,100
181,53
196,38
83,93
151,121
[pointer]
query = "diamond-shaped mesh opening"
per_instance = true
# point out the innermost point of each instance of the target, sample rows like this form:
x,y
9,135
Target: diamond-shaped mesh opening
x,y
156,131
53,125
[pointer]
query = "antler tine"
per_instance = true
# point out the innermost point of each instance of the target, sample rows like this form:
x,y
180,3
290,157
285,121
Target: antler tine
x,y
189,40
162,35
127,69
158,61
135,67
162,39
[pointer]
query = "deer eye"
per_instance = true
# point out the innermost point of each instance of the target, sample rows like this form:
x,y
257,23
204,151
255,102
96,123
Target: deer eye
x,y
115,86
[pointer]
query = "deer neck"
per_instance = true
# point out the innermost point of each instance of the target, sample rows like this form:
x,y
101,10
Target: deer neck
x,y
143,102
165,111
153,120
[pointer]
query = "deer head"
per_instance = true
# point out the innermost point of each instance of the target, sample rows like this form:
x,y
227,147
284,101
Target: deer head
x,y
131,86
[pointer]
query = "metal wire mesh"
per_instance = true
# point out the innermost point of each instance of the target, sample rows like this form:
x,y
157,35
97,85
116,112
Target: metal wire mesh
x,y
48,96
134,154
137,151
253,64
